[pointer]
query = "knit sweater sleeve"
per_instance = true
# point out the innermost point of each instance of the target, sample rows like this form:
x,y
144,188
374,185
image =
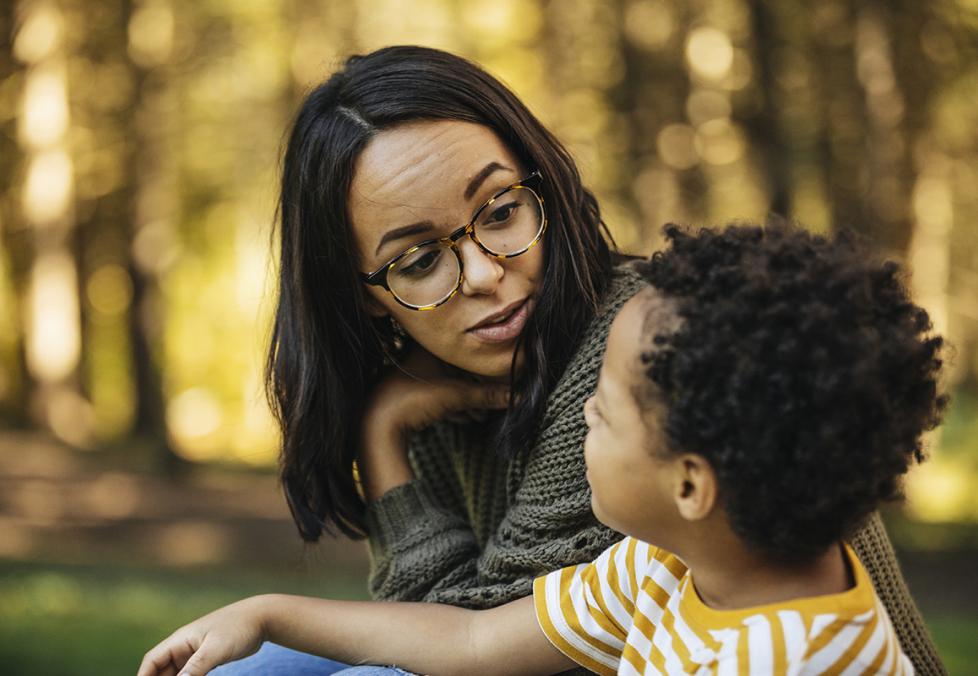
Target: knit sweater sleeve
x,y
424,544
873,547
420,536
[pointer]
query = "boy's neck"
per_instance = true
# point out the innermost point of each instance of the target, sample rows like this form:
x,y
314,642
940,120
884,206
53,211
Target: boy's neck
x,y
734,576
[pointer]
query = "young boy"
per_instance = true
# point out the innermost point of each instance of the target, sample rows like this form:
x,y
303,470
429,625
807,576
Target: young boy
x,y
755,404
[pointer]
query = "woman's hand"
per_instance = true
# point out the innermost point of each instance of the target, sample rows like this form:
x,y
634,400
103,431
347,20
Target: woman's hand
x,y
227,634
411,397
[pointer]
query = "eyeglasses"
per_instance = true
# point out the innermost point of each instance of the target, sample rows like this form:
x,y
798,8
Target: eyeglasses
x,y
428,274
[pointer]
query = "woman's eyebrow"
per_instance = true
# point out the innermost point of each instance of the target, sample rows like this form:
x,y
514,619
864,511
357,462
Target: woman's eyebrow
x,y
479,178
422,227
404,231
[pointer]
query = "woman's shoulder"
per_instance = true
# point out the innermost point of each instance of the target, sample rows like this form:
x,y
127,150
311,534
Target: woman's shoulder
x,y
626,281
580,375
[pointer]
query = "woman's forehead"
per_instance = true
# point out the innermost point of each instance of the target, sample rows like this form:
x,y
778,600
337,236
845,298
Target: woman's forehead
x,y
423,171
428,156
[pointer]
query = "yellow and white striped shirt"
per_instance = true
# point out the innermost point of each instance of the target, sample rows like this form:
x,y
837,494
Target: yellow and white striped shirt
x,y
634,610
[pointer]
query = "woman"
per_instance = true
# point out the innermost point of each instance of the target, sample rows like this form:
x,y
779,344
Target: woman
x,y
444,297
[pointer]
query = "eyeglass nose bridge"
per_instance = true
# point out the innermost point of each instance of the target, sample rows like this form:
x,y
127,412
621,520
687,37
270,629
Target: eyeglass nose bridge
x,y
380,276
452,241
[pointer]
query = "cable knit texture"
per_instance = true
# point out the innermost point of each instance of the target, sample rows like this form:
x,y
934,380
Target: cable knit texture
x,y
474,529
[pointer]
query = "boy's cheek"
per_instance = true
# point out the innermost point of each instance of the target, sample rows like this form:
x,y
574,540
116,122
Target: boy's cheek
x,y
590,444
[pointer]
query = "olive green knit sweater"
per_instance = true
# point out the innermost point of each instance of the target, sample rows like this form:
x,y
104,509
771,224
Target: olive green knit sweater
x,y
474,529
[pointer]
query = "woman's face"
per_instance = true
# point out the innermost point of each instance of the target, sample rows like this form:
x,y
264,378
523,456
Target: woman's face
x,y
423,180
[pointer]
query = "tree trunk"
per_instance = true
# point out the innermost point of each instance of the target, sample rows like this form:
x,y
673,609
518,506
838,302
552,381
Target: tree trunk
x,y
16,246
145,162
764,126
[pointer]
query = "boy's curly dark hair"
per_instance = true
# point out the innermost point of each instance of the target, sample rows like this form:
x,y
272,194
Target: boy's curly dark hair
x,y
801,371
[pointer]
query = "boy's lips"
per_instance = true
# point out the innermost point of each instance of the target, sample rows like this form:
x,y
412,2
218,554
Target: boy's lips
x,y
503,325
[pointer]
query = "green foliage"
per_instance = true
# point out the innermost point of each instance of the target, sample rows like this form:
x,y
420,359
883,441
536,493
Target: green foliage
x,y
955,639
80,620
57,620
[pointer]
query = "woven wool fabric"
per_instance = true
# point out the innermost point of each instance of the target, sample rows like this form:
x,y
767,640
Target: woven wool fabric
x,y
474,529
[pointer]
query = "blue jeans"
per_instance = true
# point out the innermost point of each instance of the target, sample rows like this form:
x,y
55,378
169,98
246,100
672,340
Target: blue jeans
x,y
275,660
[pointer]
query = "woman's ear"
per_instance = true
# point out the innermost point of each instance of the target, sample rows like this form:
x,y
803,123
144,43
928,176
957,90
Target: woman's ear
x,y
374,307
695,484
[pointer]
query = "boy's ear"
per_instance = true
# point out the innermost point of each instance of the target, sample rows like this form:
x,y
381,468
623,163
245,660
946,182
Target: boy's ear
x,y
695,488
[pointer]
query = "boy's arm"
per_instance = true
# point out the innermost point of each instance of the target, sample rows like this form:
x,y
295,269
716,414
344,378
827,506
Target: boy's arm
x,y
422,637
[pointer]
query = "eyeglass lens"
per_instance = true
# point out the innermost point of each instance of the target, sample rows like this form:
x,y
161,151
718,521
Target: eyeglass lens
x,y
507,226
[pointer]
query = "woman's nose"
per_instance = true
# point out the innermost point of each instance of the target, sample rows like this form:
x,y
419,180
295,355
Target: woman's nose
x,y
481,272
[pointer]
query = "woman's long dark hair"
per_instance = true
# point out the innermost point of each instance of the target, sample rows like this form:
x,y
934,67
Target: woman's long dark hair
x,y
326,351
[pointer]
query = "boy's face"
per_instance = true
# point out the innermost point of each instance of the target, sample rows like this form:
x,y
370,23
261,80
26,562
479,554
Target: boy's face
x,y
626,467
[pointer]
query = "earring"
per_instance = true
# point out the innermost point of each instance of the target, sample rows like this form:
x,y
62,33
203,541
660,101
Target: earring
x,y
400,335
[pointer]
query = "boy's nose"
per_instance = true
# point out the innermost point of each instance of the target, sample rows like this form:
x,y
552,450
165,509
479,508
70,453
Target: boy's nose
x,y
481,272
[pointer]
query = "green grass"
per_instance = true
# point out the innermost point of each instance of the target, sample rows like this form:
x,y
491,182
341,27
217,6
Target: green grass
x,y
955,637
81,620
67,620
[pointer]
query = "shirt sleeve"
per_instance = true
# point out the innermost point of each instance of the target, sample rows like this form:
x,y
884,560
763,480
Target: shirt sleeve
x,y
586,611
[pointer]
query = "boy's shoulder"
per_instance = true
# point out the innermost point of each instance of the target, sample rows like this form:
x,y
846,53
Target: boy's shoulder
x,y
645,597
832,633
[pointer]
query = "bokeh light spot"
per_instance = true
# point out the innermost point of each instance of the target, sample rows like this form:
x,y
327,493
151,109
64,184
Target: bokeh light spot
x,y
719,142
649,23
44,119
40,33
709,52
54,344
151,33
675,145
109,290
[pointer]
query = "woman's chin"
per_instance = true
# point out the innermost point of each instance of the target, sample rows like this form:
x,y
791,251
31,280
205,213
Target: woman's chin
x,y
495,366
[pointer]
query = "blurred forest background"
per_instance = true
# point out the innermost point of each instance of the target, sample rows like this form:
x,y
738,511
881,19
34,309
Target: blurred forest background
x,y
139,145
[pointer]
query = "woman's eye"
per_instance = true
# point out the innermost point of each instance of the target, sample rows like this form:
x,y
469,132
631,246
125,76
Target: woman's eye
x,y
422,264
502,214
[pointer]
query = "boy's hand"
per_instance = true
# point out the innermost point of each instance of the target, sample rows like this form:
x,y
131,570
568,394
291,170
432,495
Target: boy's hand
x,y
224,635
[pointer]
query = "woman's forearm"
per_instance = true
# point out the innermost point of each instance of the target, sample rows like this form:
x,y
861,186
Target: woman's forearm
x,y
383,463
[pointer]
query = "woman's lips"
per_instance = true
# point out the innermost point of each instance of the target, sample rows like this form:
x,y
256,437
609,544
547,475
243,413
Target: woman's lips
x,y
506,330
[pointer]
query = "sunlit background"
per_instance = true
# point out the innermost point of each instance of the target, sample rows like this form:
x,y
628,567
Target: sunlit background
x,y
139,146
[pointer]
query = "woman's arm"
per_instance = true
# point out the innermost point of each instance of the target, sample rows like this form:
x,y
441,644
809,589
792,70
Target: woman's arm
x,y
425,548
548,524
413,396
422,637
410,404
474,529
420,534
873,547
